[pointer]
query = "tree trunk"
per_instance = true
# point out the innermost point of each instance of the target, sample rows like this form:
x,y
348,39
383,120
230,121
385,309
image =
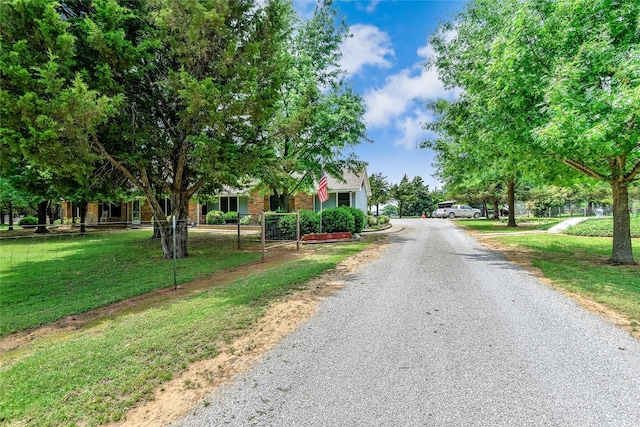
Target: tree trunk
x,y
10,215
622,252
42,217
377,209
166,238
496,210
511,197
486,210
83,215
52,211
589,209
181,212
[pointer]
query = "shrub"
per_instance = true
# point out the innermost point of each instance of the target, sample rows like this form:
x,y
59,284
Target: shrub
x,y
286,227
359,218
337,220
383,220
28,220
309,222
231,216
372,220
245,219
215,217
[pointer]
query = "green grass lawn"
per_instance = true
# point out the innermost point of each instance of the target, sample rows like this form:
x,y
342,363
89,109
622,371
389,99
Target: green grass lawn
x,y
45,278
601,227
524,224
96,376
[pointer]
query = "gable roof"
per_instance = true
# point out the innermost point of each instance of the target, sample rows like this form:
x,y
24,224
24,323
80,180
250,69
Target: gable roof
x,y
352,182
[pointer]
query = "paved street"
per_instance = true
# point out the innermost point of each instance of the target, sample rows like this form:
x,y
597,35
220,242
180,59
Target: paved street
x,y
439,331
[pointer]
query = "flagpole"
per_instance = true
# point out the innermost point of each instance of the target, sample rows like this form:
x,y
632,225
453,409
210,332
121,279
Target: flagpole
x,y
322,194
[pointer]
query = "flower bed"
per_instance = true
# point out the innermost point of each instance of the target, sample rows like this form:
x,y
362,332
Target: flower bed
x,y
319,237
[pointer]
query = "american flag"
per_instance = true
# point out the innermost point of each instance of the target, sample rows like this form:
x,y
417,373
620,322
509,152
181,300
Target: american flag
x,y
323,195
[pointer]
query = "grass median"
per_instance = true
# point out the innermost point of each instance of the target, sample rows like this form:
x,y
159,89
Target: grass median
x,y
577,263
96,376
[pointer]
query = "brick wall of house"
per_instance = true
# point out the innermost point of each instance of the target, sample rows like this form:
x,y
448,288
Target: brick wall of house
x,y
193,211
92,213
145,212
257,203
302,202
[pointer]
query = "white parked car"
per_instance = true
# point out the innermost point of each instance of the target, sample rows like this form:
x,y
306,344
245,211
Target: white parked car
x,y
457,211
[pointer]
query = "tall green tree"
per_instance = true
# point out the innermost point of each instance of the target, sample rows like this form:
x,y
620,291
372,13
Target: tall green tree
x,y
554,80
200,83
47,111
422,202
380,189
403,194
319,115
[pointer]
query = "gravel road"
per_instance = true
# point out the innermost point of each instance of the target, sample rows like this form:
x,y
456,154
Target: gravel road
x,y
439,332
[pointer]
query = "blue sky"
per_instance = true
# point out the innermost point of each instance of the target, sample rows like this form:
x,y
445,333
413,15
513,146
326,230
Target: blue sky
x,y
384,60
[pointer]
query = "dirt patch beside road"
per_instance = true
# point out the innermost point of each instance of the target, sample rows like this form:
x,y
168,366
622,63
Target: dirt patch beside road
x,y
190,389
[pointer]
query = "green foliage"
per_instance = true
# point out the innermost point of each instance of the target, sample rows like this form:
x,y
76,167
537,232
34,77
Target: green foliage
x,y
231,216
383,220
380,189
285,228
28,220
359,219
338,220
542,80
389,210
215,217
309,222
372,220
319,116
245,219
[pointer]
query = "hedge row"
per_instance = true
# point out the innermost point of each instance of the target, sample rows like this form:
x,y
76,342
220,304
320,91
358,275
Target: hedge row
x,y
334,220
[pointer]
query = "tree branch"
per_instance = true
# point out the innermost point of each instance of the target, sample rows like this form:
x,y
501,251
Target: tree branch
x,y
583,169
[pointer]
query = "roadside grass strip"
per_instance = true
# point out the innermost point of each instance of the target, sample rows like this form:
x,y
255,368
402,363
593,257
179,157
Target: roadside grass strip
x,y
524,224
96,377
45,279
577,264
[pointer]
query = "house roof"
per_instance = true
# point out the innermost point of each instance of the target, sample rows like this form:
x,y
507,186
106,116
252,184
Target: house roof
x,y
352,182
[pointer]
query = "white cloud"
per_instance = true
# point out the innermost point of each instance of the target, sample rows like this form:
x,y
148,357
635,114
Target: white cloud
x,y
410,128
399,93
394,104
367,46
372,6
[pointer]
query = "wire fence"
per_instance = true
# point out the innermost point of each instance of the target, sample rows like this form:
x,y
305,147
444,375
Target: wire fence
x,y
279,229
44,277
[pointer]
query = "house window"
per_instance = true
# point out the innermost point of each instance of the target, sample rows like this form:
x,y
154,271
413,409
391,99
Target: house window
x,y
229,204
273,203
344,199
113,209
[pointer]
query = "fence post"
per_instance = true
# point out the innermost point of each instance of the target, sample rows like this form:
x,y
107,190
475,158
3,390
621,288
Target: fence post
x,y
297,230
262,237
175,278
